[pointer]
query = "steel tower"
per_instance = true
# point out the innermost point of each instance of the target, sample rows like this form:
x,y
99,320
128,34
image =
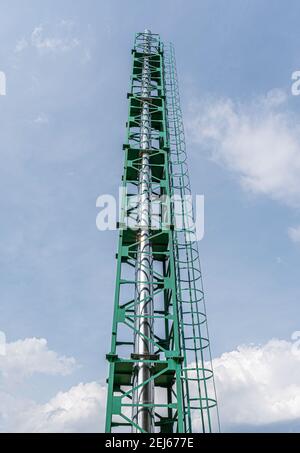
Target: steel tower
x,y
160,373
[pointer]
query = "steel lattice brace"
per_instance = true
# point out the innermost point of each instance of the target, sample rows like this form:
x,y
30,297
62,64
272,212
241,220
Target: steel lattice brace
x,y
151,385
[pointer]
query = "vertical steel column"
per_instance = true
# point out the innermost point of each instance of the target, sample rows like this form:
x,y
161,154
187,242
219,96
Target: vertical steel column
x,y
143,348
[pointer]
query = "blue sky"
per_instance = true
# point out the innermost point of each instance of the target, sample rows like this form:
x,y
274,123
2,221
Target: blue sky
x,y
62,127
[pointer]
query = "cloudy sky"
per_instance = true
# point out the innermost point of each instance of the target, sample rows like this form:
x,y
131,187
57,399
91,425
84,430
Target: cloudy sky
x,y
63,118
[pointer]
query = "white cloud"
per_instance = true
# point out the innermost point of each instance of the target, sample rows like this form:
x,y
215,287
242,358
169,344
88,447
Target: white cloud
x,y
21,45
23,358
54,44
259,141
294,233
41,119
258,385
81,409
60,40
67,23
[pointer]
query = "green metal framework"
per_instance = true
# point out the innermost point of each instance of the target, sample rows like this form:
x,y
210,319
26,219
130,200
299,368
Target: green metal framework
x,y
185,398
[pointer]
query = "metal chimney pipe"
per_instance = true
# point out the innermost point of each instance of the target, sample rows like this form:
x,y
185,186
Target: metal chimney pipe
x,y
143,348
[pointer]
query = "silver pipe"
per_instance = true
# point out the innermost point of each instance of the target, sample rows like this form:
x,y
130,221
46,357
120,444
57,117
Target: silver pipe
x,y
143,348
